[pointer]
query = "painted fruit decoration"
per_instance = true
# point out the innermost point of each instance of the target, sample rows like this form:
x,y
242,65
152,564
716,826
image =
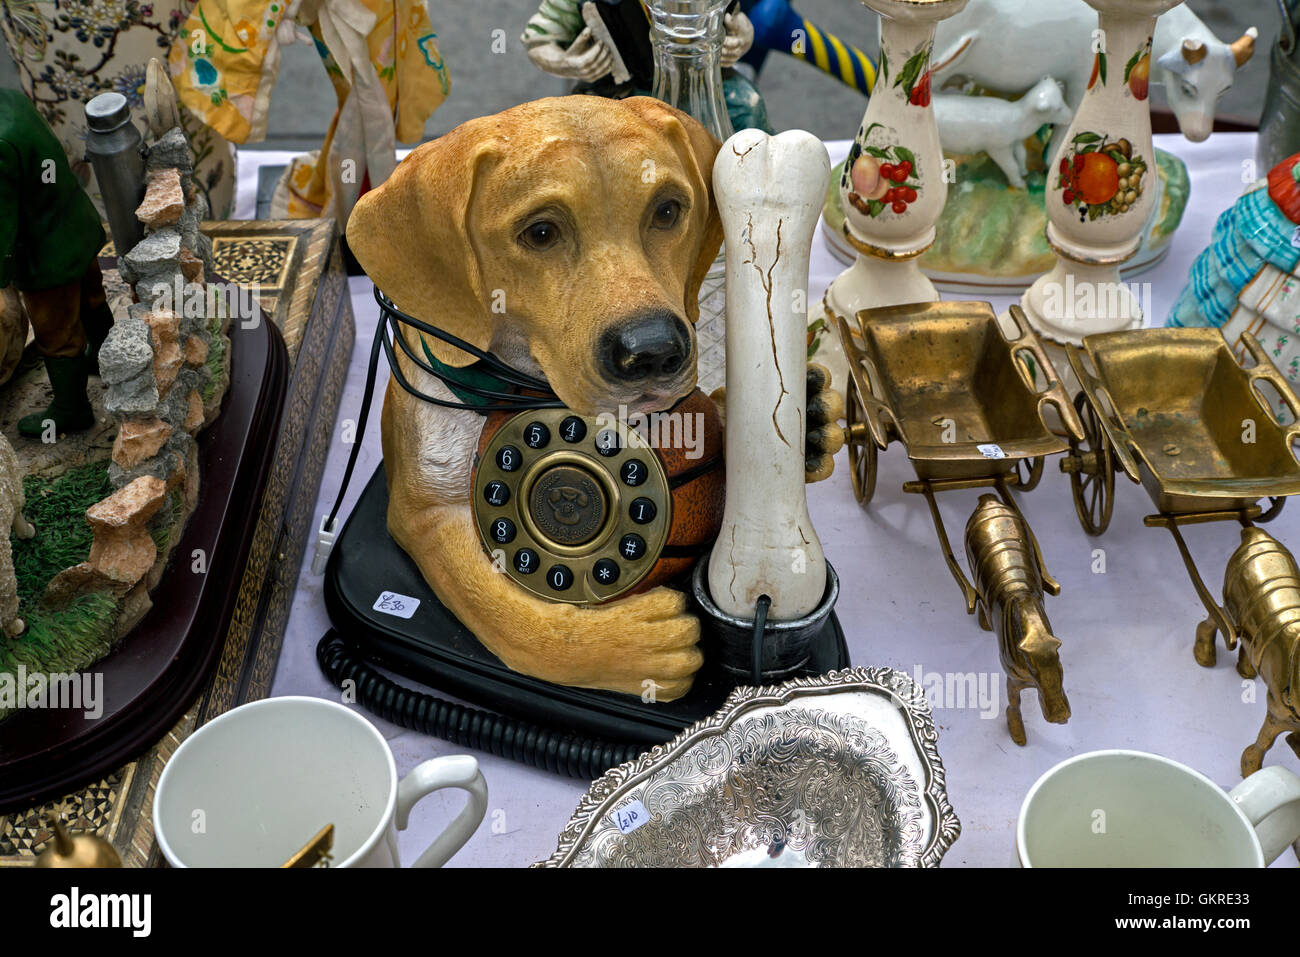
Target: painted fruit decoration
x,y
1098,69
1137,74
913,78
1100,177
880,178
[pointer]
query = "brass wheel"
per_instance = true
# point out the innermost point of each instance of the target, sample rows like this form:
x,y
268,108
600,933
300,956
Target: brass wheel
x,y
862,447
1029,472
1091,467
1274,509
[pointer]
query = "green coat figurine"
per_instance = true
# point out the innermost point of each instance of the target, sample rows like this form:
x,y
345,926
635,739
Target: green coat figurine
x,y
50,237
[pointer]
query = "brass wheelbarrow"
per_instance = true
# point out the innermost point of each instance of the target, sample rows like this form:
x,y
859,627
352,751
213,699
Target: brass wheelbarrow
x,y
967,402
1175,410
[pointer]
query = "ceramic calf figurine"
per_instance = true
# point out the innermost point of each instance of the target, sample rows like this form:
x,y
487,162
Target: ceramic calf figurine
x,y
992,125
1003,563
12,523
1261,594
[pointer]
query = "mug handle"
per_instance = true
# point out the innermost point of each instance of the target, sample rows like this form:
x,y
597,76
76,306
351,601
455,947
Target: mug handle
x,y
453,771
1271,799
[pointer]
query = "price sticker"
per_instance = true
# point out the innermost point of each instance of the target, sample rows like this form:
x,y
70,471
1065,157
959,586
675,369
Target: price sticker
x,y
399,606
991,451
1295,237
630,816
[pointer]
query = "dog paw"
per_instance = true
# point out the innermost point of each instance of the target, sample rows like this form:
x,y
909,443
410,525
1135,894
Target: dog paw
x,y
657,648
824,436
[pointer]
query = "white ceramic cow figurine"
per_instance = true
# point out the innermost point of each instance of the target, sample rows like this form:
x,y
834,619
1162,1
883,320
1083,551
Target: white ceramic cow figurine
x,y
1009,45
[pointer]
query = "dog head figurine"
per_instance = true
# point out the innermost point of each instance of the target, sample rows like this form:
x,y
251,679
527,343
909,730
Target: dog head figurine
x,y
568,235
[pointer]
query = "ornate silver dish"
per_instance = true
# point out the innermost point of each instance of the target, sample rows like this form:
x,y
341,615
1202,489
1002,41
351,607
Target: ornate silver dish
x,y
842,769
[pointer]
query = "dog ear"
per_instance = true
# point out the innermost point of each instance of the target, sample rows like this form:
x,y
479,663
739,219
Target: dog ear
x,y
410,237
697,149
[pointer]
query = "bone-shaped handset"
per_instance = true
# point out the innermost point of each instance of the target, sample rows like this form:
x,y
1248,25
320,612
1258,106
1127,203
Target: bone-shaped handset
x,y
769,191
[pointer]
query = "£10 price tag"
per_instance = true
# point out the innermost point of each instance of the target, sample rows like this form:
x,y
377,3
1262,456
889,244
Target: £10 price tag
x,y
399,606
630,816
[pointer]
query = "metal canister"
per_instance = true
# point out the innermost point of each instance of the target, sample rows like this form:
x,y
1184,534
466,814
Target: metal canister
x,y
1279,123
114,148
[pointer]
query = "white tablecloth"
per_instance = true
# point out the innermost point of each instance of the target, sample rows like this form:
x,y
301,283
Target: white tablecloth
x,y
1127,632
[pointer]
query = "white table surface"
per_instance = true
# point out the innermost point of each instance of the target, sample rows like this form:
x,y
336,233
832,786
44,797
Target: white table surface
x,y
1127,633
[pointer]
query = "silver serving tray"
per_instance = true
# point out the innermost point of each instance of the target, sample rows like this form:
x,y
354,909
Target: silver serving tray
x,y
841,769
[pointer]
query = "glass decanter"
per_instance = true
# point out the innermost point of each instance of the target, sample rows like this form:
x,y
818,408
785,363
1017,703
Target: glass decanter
x,y
687,39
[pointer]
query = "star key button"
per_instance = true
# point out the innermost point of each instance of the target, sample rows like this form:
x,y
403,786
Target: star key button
x,y
605,571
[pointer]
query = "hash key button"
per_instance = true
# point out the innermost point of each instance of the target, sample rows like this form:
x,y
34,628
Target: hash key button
x,y
631,546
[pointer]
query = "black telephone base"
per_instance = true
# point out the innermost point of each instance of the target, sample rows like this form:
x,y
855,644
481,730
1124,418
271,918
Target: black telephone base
x,y
433,647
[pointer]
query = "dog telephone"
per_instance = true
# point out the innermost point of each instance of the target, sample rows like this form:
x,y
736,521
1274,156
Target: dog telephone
x,y
543,598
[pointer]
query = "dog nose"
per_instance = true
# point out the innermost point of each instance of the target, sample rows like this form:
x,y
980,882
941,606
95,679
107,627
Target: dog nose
x,y
646,347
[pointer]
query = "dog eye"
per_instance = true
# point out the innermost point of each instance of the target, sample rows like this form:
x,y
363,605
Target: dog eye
x,y
666,214
542,234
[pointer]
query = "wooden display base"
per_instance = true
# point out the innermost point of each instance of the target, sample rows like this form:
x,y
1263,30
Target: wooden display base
x,y
302,286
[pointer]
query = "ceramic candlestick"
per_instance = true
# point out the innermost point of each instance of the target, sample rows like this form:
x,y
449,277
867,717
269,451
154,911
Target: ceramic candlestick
x,y
769,192
893,186
1101,184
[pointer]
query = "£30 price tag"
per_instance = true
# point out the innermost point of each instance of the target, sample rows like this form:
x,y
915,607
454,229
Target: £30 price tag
x,y
399,606
630,816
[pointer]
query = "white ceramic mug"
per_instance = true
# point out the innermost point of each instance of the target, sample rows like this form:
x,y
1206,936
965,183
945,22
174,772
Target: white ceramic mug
x,y
253,786
1133,809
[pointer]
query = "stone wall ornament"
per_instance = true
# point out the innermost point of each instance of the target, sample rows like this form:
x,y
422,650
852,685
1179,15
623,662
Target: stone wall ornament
x,y
893,186
12,523
162,110
1099,193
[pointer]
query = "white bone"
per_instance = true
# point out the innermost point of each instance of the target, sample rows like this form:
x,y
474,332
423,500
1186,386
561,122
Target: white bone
x,y
769,191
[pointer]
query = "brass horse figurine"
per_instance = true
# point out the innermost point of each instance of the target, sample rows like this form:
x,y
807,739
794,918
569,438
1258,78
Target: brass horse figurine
x,y
1005,566
1261,594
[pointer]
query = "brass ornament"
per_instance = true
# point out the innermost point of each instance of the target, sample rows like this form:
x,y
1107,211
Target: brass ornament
x,y
1010,587
1261,594
967,399
318,852
77,850
1166,407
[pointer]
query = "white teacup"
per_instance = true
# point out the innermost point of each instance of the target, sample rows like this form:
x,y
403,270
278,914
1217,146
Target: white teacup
x,y
254,785
1133,809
